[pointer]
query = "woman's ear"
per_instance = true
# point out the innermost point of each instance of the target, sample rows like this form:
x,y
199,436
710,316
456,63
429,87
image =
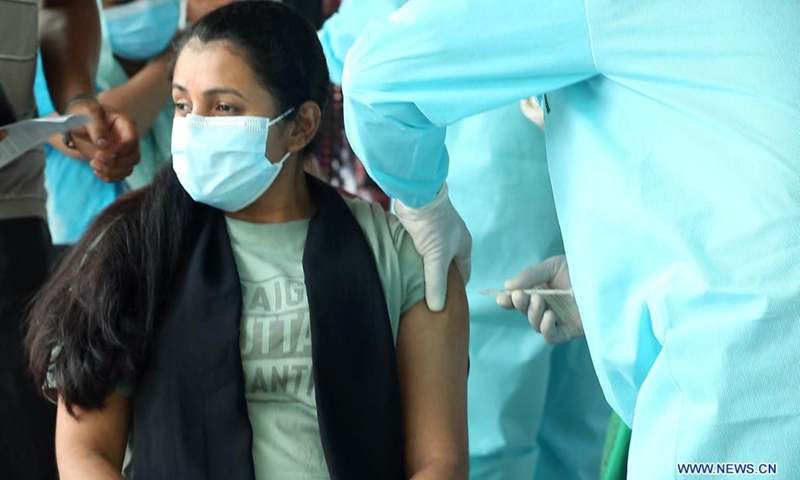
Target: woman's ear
x,y
304,126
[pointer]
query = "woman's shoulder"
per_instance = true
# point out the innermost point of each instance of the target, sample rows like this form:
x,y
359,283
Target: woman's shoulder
x,y
373,218
394,252
385,233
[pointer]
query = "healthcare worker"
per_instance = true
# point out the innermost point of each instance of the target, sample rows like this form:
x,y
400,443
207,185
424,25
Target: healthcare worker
x,y
535,411
674,152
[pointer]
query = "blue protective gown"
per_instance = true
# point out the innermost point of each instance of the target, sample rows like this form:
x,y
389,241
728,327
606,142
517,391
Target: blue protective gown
x,y
673,138
535,411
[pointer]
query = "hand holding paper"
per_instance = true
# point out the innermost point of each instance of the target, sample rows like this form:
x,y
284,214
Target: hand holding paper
x,y
108,140
23,136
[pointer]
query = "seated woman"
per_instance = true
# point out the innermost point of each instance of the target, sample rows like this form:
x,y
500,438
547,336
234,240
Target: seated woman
x,y
238,319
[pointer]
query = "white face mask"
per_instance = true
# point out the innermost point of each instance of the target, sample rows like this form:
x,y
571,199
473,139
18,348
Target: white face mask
x,y
221,161
142,30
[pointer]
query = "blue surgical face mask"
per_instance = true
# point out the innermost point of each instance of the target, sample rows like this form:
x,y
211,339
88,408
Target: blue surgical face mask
x,y
142,29
221,161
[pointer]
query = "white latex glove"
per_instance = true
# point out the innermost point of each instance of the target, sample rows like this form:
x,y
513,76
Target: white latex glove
x,y
552,273
441,237
533,111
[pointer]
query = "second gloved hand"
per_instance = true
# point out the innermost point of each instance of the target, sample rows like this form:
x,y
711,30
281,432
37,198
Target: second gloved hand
x,y
552,273
441,237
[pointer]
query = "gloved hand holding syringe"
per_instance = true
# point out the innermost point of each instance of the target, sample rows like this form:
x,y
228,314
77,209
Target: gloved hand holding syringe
x,y
543,293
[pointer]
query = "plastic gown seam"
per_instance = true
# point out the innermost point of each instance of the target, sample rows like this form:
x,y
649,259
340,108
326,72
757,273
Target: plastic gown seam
x,y
589,36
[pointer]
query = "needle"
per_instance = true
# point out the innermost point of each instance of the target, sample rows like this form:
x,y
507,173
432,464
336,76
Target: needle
x,y
532,291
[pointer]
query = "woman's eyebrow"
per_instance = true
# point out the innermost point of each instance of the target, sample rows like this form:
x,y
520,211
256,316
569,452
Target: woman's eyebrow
x,y
212,91
217,91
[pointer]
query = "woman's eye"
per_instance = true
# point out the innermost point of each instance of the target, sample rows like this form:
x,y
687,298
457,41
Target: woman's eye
x,y
225,108
182,107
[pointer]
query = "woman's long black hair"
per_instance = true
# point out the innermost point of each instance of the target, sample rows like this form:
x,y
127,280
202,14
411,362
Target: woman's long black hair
x,y
91,325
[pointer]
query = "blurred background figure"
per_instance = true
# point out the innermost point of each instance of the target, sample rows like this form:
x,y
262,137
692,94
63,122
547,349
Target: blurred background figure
x,y
536,411
334,159
616,449
132,76
315,11
69,35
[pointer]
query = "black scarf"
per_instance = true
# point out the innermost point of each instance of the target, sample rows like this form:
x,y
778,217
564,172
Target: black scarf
x,y
190,417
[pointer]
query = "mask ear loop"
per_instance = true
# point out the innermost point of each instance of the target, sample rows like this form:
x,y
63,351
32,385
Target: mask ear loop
x,y
285,157
280,117
271,123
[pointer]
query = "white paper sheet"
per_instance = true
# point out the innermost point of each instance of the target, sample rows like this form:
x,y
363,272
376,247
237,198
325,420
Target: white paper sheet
x,y
25,135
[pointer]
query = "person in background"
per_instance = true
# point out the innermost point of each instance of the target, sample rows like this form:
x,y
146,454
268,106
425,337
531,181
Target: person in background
x,y
334,158
673,154
133,77
238,316
311,10
315,11
69,34
615,449
536,411
193,10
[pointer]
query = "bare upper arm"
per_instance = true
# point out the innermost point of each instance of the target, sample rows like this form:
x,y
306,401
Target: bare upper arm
x,y
432,356
91,438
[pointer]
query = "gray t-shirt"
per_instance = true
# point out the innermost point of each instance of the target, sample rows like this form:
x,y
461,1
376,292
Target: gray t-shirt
x,y
276,331
22,192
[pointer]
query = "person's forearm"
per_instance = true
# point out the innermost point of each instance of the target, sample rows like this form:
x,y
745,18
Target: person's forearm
x,y
87,465
144,95
69,36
